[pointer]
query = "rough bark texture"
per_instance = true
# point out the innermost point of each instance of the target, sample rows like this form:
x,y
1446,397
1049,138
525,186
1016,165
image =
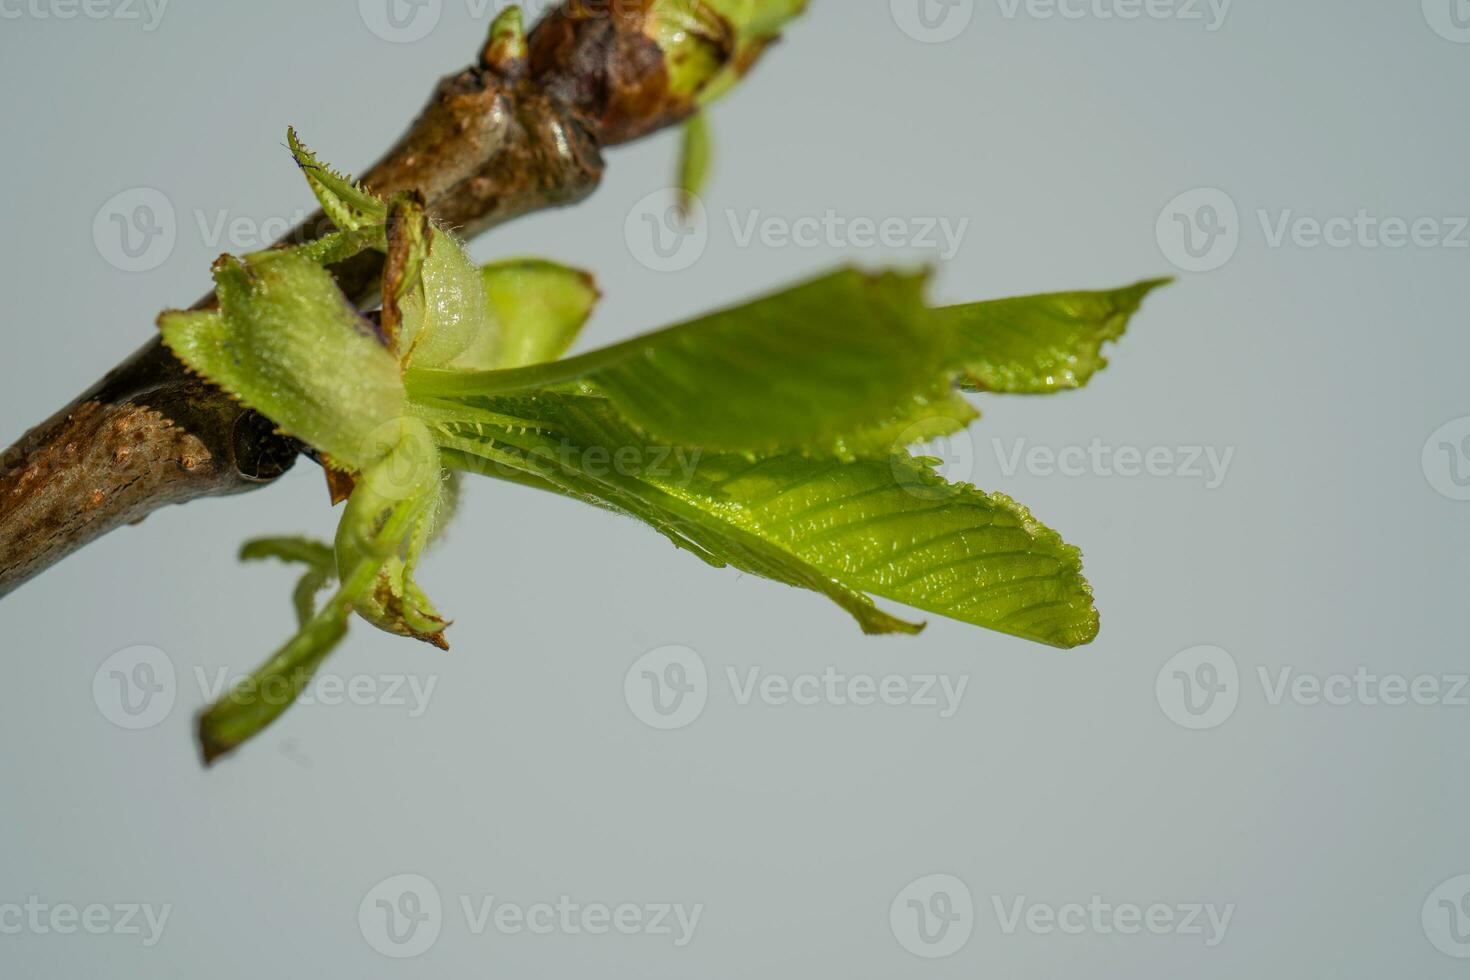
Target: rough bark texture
x,y
502,138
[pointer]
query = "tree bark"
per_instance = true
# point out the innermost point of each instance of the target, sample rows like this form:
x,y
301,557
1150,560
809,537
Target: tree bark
x,y
514,133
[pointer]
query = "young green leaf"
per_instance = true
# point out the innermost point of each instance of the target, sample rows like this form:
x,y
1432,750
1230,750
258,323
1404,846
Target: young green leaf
x,y
817,369
258,700
350,205
540,307
264,696
389,521
1041,344
890,528
286,342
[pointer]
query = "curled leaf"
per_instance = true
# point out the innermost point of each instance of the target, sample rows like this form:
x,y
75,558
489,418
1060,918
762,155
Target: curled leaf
x,y
351,206
286,342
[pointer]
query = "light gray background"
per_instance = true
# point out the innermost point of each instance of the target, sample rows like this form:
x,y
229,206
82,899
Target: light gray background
x,y
529,778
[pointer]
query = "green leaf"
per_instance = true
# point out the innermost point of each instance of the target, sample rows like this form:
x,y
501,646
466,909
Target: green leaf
x,y
816,369
258,700
540,307
890,527
1041,344
388,523
695,155
264,696
351,206
286,342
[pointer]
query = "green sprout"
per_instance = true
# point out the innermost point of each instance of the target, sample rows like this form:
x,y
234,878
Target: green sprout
x,y
790,419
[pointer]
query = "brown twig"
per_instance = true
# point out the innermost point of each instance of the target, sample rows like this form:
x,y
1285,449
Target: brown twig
x,y
517,132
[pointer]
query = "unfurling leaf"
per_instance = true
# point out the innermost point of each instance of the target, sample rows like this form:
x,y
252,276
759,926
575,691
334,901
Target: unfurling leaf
x,y
890,528
816,369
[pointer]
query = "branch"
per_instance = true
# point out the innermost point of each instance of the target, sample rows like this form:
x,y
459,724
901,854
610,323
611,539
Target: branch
x,y
520,130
